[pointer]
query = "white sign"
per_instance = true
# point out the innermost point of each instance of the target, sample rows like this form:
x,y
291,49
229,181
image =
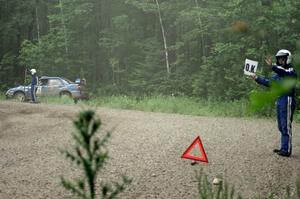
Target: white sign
x,y
250,67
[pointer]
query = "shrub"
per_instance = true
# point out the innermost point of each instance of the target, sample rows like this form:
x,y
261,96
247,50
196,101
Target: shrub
x,y
90,155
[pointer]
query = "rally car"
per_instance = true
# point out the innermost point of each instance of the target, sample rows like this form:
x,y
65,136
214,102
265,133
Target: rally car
x,y
50,86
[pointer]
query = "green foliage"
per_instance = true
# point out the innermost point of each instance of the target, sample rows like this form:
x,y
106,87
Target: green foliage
x,y
221,69
118,44
90,155
30,54
56,100
261,99
224,191
2,96
47,57
147,72
6,70
172,104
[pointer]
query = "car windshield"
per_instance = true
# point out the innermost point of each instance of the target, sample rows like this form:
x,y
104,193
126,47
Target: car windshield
x,y
66,81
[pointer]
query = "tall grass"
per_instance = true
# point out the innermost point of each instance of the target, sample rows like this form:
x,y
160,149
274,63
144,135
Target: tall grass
x,y
56,100
2,96
208,191
169,104
181,105
224,191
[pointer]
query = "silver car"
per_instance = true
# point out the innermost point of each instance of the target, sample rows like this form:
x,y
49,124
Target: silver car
x,y
50,86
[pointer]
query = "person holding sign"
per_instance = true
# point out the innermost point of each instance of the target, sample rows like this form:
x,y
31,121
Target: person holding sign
x,y
285,103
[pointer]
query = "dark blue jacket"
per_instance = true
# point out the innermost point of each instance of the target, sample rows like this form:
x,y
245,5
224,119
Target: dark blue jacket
x,y
280,73
34,80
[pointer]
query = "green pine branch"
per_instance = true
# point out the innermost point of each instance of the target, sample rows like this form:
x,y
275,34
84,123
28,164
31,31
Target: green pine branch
x,y
90,155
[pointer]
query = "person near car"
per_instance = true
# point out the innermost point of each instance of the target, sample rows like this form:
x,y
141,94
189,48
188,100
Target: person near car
x,y
286,103
34,81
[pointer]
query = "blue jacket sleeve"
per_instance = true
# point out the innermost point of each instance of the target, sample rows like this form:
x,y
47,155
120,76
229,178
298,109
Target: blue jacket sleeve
x,y
263,81
284,72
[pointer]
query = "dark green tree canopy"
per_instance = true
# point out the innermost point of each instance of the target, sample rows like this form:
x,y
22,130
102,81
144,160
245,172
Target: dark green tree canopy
x,y
192,47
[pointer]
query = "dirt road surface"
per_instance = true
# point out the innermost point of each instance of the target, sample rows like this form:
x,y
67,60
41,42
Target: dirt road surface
x,y
146,147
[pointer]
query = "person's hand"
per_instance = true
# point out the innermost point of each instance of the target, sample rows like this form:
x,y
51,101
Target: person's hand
x,y
253,77
268,60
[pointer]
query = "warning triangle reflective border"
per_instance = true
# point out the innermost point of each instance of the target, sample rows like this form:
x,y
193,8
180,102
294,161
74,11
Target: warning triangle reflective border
x,y
202,158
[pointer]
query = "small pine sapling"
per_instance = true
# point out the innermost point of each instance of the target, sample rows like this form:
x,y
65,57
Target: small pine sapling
x,y
90,155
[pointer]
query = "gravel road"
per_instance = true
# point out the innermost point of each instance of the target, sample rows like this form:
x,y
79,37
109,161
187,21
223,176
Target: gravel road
x,y
146,147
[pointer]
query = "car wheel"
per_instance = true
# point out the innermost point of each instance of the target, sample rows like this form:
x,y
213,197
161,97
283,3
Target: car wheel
x,y
19,96
65,94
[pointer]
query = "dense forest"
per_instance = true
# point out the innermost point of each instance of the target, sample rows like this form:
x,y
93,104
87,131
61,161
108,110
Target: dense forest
x,y
145,47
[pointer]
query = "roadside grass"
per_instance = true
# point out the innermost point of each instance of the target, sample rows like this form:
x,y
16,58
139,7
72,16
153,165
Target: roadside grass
x,y
56,100
208,191
297,116
180,105
171,104
2,96
223,190
185,105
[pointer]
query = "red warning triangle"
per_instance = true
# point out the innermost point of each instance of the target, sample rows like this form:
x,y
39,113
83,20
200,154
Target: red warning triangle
x,y
187,155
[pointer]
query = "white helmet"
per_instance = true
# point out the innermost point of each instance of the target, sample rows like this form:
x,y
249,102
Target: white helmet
x,y
284,53
33,71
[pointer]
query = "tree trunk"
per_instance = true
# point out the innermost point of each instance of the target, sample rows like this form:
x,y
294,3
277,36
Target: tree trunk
x,y
164,38
37,22
201,28
64,25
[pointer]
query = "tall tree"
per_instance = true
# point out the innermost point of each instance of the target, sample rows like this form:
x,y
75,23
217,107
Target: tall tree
x,y
164,37
191,47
